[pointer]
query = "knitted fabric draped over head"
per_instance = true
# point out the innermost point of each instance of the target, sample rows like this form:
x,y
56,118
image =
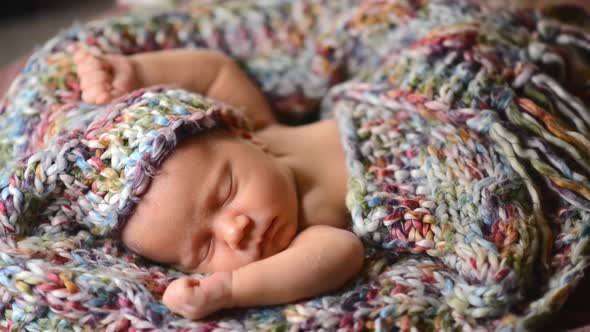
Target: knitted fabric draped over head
x,y
94,176
467,145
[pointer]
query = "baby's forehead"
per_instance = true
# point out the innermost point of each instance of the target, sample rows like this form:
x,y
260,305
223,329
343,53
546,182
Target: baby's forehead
x,y
192,169
208,141
194,165
176,191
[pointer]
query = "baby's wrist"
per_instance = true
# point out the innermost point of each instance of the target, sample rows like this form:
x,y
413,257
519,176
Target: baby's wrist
x,y
221,287
239,297
228,287
138,78
231,295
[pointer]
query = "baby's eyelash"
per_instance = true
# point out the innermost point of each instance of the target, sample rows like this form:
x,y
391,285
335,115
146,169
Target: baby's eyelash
x,y
205,250
229,190
209,248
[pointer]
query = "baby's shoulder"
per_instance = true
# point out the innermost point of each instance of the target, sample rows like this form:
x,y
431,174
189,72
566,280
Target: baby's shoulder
x,y
332,219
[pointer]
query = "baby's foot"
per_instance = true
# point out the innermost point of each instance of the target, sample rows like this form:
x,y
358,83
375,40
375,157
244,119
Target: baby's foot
x,y
103,78
197,298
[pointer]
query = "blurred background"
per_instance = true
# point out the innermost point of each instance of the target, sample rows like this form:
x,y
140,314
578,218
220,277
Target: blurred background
x,y
25,24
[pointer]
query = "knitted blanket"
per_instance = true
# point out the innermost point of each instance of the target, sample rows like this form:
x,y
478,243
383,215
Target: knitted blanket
x,y
466,134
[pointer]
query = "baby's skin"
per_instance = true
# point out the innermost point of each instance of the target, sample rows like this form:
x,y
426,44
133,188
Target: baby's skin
x,y
263,212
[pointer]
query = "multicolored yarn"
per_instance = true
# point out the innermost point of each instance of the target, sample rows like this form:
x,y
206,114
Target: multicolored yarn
x,y
467,146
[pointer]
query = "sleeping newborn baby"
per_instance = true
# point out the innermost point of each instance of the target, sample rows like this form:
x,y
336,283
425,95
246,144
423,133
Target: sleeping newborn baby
x,y
263,212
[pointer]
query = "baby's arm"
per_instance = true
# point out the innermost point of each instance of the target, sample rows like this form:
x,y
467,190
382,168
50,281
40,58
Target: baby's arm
x,y
320,259
207,72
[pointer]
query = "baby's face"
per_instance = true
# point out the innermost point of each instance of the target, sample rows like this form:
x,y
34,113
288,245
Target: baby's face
x,y
219,202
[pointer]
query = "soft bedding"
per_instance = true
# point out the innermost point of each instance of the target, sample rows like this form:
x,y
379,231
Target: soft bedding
x,y
466,132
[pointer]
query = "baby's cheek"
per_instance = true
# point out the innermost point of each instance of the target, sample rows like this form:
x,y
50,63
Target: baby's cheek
x,y
131,240
226,260
149,245
288,236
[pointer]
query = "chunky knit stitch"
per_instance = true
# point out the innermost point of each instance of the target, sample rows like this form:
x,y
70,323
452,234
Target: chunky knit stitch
x,y
467,148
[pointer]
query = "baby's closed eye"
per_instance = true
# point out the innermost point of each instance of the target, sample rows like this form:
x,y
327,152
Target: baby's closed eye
x,y
201,250
207,249
227,187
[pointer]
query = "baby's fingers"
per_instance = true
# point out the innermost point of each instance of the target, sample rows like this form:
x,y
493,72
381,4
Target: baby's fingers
x,y
92,79
178,294
121,85
124,79
80,55
98,94
92,64
186,282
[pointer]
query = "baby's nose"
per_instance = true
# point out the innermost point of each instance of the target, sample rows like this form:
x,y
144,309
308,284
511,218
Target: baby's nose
x,y
236,230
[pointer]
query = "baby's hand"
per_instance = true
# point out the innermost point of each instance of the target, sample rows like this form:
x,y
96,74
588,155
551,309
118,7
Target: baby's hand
x,y
197,298
105,77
